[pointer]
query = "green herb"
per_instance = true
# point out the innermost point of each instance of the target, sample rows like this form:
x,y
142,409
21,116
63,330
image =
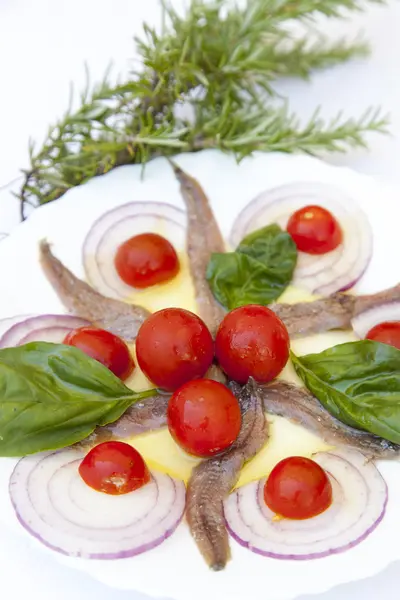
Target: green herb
x,y
222,61
359,383
257,273
53,396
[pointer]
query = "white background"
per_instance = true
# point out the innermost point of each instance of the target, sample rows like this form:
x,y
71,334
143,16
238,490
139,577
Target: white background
x,y
43,44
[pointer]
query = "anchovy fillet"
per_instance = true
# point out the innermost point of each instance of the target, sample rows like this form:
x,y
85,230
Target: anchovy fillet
x,y
203,237
80,299
333,312
212,480
301,407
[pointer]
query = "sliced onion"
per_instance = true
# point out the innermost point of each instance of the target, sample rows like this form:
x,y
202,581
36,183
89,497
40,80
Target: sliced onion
x,y
118,225
54,505
366,320
320,274
40,328
8,322
359,503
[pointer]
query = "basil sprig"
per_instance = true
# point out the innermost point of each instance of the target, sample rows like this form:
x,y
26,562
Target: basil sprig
x,y
258,271
54,395
359,383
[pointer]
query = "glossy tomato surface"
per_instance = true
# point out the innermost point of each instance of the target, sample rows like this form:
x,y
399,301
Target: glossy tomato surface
x,y
204,417
314,230
252,342
145,260
105,347
386,333
114,468
174,346
298,488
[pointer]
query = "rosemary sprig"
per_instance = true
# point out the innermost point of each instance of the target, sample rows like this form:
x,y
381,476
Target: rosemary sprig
x,y
222,61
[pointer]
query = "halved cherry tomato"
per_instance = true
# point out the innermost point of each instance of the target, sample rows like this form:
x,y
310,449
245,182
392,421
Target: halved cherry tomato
x,y
298,488
174,346
387,333
114,468
146,259
252,342
105,347
204,417
314,230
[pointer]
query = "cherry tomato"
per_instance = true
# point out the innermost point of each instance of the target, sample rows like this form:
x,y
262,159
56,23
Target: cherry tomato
x,y
145,260
252,342
387,333
204,417
174,346
314,230
105,347
298,488
114,468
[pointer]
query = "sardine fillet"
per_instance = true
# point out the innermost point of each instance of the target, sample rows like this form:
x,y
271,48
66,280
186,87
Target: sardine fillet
x,y
80,299
212,480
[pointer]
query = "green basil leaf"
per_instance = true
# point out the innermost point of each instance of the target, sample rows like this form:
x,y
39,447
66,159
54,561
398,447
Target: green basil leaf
x,y
359,383
237,279
257,273
275,249
52,396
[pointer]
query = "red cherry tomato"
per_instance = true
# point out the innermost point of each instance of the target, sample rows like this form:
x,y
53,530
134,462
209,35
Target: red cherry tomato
x,y
252,342
145,260
174,346
314,230
298,488
114,468
387,333
204,417
105,347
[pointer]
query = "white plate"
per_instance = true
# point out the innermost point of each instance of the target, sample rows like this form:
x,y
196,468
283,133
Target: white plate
x,y
175,569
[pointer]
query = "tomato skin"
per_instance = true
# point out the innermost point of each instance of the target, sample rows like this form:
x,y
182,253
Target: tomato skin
x,y
386,333
298,488
314,230
114,468
145,260
105,347
252,341
204,417
174,346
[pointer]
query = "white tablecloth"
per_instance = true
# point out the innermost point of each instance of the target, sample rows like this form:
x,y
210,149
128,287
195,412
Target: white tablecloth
x,y
43,44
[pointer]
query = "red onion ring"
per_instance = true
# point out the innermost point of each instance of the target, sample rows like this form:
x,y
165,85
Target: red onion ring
x,y
39,328
116,226
366,320
8,322
320,274
55,506
359,503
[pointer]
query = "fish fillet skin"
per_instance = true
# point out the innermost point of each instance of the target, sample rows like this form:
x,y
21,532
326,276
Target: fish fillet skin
x,y
80,299
281,398
203,238
212,480
333,312
301,407
144,416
